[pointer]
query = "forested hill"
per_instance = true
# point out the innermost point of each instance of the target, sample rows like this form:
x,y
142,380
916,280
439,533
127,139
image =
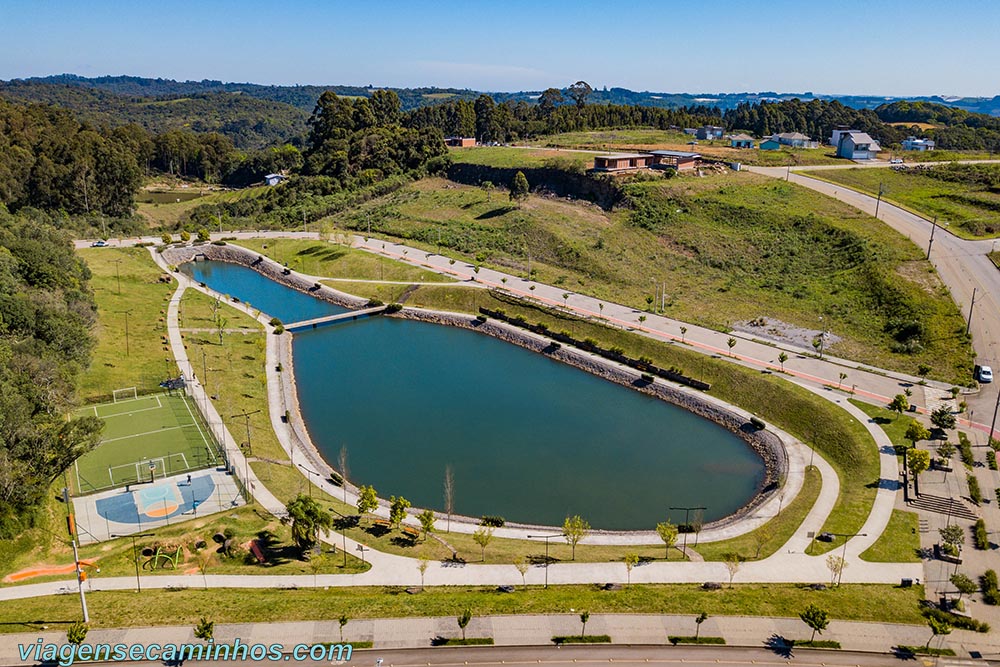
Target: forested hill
x,y
304,97
250,122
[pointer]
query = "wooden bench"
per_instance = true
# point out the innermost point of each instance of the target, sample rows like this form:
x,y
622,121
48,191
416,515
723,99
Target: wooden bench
x,y
383,523
410,532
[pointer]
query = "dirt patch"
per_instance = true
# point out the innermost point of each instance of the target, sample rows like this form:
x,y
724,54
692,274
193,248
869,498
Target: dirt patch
x,y
783,332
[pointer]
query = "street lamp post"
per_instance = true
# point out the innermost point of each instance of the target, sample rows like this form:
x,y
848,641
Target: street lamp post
x,y
878,202
546,538
843,556
687,525
135,557
310,473
126,313
118,276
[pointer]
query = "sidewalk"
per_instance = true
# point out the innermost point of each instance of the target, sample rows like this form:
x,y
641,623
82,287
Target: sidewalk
x,y
535,630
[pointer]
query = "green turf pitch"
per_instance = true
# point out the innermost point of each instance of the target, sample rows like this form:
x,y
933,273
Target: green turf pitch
x,y
160,429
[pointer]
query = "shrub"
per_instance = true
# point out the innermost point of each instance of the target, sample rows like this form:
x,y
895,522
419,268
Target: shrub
x,y
481,318
965,448
675,640
982,538
975,493
492,521
581,639
991,459
646,377
991,590
280,329
219,243
757,423
274,321
962,622
374,303
394,308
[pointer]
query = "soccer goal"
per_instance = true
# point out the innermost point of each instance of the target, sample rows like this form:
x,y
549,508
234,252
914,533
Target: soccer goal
x,y
148,470
127,394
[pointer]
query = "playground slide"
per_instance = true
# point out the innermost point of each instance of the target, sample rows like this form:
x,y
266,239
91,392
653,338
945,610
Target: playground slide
x,y
45,571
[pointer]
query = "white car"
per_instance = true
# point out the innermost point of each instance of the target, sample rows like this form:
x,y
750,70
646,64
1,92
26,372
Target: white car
x,y
99,244
896,160
984,374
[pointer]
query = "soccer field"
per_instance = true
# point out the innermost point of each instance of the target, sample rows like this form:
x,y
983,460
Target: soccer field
x,y
144,438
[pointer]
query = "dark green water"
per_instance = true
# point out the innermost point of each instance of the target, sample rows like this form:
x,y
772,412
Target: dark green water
x,y
528,438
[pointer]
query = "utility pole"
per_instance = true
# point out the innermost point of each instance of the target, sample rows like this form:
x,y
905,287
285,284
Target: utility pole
x,y
80,575
246,416
993,423
687,524
968,325
881,191
546,538
126,313
204,369
118,276
663,297
931,242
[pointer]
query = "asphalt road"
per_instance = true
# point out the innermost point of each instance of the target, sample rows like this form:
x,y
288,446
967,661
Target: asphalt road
x,y
626,656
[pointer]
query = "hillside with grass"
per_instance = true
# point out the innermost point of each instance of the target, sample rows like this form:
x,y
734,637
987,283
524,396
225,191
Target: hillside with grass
x,y
964,197
729,248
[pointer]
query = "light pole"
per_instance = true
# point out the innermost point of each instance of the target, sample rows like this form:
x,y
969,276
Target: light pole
x,y
687,526
343,534
931,242
993,423
246,416
546,538
135,557
311,473
881,191
843,556
968,325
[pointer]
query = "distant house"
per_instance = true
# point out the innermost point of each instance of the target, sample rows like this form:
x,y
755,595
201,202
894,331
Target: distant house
x,y
622,161
770,145
710,132
691,130
678,160
274,179
741,141
460,142
914,144
795,140
855,145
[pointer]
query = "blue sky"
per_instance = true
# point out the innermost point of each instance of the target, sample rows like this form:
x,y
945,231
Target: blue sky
x,y
885,47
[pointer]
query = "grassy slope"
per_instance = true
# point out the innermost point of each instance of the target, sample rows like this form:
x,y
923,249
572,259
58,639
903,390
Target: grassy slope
x,y
319,258
954,204
520,157
173,214
841,438
146,298
185,607
733,247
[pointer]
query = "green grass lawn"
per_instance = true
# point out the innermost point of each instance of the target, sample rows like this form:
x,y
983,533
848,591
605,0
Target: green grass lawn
x,y
499,156
147,359
899,543
330,260
185,607
731,248
892,423
162,210
770,537
967,210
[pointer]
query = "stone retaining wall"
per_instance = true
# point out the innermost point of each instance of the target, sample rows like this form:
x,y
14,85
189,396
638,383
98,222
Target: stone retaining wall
x,y
767,445
262,265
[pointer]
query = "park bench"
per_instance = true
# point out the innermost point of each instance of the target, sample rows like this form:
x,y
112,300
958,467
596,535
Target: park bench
x,y
410,532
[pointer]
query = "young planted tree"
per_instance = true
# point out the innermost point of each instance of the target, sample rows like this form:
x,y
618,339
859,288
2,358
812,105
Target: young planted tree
x,y
631,560
836,565
899,404
316,563
307,519
482,537
397,509
782,358
367,500
699,619
205,629
918,460
938,627
463,621
185,235
206,559
76,634
522,568
487,187
684,331
733,562
584,617
426,519
668,533
422,564
915,432
818,343
731,343
963,584
842,376
946,450
815,618
953,535
575,529
203,234
761,537
942,418
449,493
343,621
